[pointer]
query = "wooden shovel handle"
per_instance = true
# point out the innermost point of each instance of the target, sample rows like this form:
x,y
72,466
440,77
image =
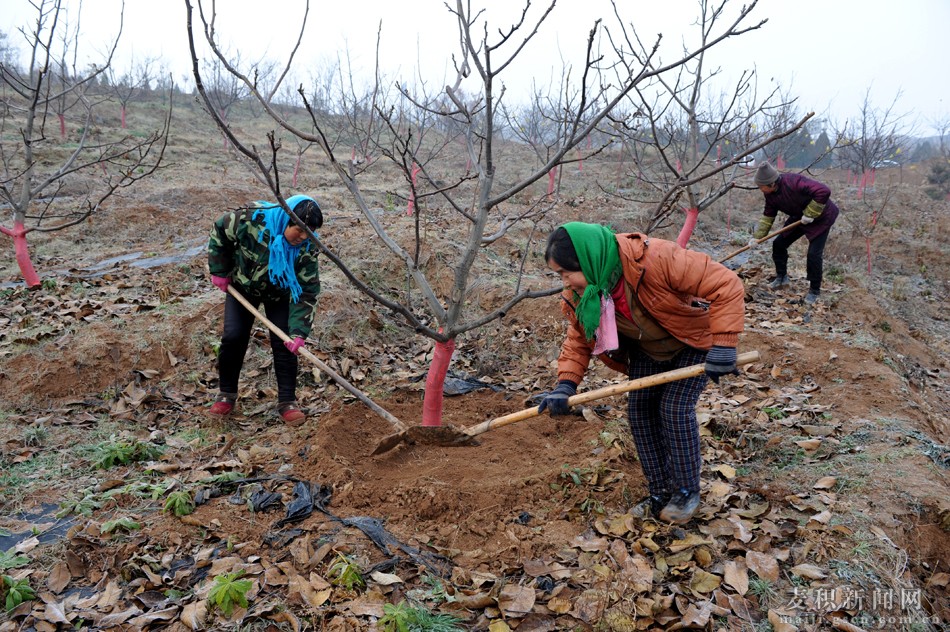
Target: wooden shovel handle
x,y
759,241
615,389
360,395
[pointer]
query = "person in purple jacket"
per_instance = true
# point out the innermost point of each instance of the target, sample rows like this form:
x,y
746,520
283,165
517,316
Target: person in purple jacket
x,y
802,199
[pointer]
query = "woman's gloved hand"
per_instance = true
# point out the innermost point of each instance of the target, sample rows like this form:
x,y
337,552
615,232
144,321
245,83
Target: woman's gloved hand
x,y
221,283
721,361
555,402
294,345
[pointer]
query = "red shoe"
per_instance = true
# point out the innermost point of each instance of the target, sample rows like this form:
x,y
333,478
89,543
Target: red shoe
x,y
290,414
222,406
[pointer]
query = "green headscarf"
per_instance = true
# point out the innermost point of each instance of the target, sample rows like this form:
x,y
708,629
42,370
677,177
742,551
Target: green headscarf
x,y
599,256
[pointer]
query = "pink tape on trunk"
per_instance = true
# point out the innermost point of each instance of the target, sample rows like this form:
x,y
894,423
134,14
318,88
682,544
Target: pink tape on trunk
x,y
435,380
692,216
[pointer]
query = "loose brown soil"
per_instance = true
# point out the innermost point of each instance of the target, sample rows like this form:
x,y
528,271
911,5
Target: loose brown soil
x,y
854,389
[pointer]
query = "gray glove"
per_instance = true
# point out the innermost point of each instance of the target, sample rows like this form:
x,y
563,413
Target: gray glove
x,y
555,402
721,361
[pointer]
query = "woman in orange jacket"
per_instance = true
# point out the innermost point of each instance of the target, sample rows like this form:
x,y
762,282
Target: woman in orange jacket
x,y
646,306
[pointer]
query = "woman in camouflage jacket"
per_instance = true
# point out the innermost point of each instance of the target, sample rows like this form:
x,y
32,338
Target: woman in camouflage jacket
x,y
269,260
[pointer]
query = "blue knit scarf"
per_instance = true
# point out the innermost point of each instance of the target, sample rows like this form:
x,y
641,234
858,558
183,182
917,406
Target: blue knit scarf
x,y
280,264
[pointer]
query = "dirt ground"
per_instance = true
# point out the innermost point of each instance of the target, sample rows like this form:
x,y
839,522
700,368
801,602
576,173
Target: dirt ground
x,y
825,464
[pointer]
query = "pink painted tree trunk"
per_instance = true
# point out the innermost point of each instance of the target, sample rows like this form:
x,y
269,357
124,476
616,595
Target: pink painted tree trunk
x,y
435,382
692,216
22,253
62,125
123,117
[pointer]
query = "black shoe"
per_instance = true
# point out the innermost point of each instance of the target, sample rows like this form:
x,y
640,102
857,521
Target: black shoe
x,y
779,282
812,297
650,506
681,507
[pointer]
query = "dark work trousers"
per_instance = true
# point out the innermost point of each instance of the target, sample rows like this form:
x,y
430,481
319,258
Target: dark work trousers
x,y
663,422
238,323
813,261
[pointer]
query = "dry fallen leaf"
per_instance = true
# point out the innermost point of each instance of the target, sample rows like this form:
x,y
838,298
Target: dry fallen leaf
x,y
778,621
516,601
727,471
703,582
194,614
809,571
58,578
809,445
736,575
762,564
939,579
559,605
826,482
385,579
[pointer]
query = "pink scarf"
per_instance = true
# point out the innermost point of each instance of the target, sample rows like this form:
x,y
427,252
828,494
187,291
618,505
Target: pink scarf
x,y
606,336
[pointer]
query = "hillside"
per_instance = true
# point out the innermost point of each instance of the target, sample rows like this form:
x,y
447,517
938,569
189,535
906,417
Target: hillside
x,y
825,476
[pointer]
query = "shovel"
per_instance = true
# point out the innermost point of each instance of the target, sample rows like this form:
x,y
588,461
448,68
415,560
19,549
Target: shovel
x,y
360,395
448,435
759,241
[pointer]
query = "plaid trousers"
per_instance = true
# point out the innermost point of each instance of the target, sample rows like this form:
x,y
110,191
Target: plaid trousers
x,y
663,422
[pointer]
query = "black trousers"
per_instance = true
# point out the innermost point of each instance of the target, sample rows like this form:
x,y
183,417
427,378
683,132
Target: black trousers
x,y
813,261
238,323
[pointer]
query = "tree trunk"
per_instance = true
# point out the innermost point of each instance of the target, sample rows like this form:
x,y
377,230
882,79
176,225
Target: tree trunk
x,y
22,253
692,215
123,117
435,380
62,126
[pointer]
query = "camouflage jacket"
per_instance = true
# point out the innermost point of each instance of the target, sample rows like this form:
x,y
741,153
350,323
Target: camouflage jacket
x,y
235,250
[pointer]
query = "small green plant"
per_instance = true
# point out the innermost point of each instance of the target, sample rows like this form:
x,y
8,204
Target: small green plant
x,y
345,572
179,503
575,475
35,436
861,549
225,477
230,590
124,524
406,618
84,506
15,592
436,589
11,559
834,274
49,284
763,589
120,452
774,413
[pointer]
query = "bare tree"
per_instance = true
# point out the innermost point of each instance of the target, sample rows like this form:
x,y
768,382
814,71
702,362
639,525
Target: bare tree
x,y
873,136
689,140
126,86
476,200
49,187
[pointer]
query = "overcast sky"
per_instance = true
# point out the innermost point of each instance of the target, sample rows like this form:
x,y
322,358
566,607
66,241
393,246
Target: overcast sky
x,y
828,53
